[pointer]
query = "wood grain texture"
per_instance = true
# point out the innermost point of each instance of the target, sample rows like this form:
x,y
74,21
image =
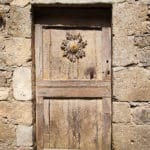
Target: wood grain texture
x,y
38,52
46,123
106,54
74,83
58,124
73,100
46,54
106,124
75,124
74,92
39,123
60,68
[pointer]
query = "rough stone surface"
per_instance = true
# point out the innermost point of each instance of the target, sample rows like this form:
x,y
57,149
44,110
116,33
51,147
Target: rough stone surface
x,y
143,58
75,1
141,115
25,148
17,112
4,92
19,22
21,3
17,51
125,26
5,77
7,136
5,1
22,83
128,25
124,51
121,112
24,135
131,137
132,84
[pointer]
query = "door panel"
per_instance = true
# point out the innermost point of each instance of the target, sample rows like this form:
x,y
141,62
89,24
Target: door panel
x,y
73,124
73,98
57,67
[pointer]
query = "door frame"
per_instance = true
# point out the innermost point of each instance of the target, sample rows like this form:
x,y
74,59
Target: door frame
x,y
42,89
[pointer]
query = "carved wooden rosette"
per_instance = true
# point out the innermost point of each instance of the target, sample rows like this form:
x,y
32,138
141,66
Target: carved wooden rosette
x,y
73,47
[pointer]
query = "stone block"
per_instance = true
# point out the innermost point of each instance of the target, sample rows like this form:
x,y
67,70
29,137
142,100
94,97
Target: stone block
x,y
132,84
125,24
24,135
5,77
22,83
7,136
5,1
131,137
4,92
25,148
20,3
142,41
143,58
19,22
141,115
17,51
124,51
76,1
17,112
121,112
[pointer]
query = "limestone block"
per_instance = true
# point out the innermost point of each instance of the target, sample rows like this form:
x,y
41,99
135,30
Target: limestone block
x,y
132,84
141,115
142,41
7,136
128,18
25,148
24,135
121,139
21,3
131,137
5,77
121,112
75,1
144,58
18,51
4,92
5,1
124,51
17,112
19,22
145,1
22,83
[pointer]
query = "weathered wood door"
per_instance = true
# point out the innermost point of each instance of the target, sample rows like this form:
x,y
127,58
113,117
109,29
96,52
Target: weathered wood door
x,y
73,80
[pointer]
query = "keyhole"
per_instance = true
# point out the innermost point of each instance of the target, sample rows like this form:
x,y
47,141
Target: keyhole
x,y
91,75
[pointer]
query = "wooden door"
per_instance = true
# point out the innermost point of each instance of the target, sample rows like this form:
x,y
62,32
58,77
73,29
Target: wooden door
x,y
73,83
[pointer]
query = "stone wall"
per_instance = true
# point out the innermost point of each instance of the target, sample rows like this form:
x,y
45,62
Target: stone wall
x,y
131,73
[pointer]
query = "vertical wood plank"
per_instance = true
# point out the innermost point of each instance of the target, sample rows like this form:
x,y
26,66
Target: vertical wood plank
x,y
88,130
59,64
39,123
59,124
106,53
46,123
99,51
106,124
38,51
46,55
73,121
99,124
87,65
